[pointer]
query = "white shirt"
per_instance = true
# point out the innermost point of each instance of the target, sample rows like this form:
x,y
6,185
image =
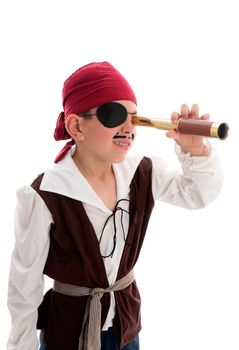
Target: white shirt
x,y
198,184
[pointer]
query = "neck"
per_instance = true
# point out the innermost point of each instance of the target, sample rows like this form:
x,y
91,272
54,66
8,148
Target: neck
x,y
100,176
91,167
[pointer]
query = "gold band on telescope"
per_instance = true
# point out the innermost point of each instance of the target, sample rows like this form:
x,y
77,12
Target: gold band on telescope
x,y
214,129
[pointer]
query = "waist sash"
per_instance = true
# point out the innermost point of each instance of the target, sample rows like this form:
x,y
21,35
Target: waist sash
x,y
91,329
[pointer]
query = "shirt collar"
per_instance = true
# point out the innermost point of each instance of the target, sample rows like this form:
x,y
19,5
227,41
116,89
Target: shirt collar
x,y
65,178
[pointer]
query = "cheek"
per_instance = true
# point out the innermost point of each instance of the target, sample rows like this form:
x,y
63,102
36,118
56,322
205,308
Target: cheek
x,y
107,137
103,135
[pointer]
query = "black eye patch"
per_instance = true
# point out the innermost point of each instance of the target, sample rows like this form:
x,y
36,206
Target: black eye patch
x,y
112,114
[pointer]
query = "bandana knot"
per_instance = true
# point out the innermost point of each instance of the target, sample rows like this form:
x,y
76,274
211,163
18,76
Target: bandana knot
x,y
60,130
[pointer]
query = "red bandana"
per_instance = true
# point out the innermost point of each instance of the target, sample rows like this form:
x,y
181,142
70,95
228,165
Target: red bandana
x,y
88,87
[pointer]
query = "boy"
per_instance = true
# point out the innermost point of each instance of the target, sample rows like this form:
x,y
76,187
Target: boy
x,y
83,221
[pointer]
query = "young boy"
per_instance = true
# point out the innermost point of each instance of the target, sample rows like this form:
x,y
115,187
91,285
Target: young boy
x,y
83,222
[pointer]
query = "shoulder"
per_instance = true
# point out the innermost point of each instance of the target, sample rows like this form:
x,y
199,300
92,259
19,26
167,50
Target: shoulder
x,y
29,201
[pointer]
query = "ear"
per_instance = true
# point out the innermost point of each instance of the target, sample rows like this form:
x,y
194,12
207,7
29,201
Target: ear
x,y
73,126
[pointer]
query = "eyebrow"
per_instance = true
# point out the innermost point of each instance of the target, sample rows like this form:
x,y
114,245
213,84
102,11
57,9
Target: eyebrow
x,y
88,114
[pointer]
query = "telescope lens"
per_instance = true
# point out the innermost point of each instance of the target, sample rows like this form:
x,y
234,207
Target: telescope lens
x,y
223,131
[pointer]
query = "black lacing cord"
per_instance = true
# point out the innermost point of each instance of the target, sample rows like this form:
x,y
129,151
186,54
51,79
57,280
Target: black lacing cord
x,y
117,208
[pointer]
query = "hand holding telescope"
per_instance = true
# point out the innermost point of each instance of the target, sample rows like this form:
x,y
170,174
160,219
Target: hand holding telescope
x,y
186,126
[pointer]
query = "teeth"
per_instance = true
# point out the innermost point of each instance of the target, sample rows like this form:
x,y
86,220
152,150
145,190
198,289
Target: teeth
x,y
122,143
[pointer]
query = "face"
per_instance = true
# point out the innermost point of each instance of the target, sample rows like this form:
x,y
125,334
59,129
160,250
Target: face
x,y
104,143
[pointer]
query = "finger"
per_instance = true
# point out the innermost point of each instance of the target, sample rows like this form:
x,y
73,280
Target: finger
x,y
194,111
205,116
172,134
174,117
185,111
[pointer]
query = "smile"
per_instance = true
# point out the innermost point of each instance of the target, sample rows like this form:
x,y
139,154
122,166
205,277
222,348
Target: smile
x,y
124,145
120,143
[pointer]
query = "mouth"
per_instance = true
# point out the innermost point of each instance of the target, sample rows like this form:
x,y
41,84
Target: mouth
x,y
123,141
122,144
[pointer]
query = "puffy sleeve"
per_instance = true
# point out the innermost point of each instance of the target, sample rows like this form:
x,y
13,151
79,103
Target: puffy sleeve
x,y
196,185
26,282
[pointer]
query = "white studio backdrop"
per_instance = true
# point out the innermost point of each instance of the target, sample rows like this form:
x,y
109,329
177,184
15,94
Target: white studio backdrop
x,y
172,52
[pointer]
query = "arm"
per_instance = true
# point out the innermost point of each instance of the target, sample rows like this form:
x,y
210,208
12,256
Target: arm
x,y
201,177
26,283
195,186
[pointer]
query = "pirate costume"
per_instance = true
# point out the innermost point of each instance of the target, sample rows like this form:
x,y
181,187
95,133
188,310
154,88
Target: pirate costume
x,y
65,231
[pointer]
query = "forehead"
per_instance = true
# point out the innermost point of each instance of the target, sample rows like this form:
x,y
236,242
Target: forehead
x,y
129,105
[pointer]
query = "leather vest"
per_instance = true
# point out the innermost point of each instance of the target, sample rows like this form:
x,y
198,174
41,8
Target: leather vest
x,y
74,258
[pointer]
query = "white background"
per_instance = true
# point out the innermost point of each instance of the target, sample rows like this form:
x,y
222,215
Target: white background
x,y
171,52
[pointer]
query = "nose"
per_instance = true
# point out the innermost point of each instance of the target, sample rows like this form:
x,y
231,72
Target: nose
x,y
128,126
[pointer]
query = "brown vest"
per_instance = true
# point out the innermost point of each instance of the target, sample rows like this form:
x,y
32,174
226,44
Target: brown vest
x,y
74,258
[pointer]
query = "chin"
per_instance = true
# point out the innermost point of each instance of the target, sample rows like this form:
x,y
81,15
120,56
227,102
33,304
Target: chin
x,y
120,158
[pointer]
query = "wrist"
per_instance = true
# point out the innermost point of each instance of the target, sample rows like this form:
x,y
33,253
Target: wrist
x,y
199,151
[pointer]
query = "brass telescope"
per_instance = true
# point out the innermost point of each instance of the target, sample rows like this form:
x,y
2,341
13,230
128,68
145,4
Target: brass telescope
x,y
186,126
